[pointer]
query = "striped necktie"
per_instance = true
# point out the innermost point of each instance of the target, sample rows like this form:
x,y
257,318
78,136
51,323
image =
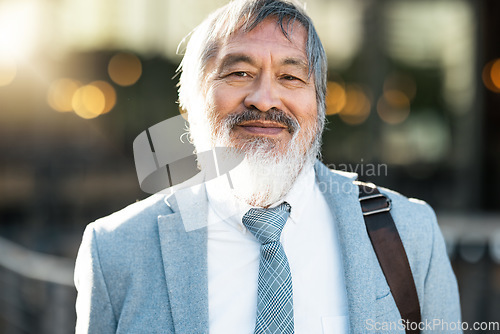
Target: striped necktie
x,y
274,292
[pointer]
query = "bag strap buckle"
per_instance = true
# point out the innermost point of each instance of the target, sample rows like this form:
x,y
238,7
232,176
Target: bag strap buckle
x,y
375,203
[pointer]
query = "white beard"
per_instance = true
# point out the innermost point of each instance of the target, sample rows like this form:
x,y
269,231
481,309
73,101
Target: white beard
x,y
265,175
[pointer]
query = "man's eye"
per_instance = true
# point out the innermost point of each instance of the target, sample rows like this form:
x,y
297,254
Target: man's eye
x,y
290,77
240,74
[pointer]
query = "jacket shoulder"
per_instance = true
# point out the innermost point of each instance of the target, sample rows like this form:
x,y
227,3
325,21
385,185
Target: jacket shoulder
x,y
136,219
121,241
141,211
416,211
417,225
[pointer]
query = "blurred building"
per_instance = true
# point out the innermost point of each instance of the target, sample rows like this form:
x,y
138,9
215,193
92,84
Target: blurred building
x,y
413,105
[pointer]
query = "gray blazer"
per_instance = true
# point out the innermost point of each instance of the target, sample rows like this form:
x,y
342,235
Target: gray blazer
x,y
144,269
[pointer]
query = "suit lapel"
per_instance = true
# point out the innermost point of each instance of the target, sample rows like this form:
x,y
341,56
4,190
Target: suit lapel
x,y
342,197
183,240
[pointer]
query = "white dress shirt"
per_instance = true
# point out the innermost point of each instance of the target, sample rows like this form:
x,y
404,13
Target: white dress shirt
x,y
310,242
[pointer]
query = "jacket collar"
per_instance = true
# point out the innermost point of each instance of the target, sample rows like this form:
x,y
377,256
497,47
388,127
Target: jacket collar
x,y
341,194
183,241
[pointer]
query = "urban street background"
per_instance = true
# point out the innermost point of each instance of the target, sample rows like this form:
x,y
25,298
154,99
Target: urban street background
x,y
413,105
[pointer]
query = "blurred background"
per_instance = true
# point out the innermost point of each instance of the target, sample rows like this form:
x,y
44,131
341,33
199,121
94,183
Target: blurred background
x,y
413,105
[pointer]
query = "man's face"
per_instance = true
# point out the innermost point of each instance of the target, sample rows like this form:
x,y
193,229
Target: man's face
x,y
260,98
259,86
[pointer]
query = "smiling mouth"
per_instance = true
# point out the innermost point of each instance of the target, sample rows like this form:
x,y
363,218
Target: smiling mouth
x,y
263,128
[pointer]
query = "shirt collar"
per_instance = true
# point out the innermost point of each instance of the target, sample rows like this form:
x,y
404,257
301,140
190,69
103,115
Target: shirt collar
x,y
301,190
229,209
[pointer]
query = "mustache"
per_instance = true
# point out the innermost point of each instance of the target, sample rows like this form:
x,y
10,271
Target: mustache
x,y
272,115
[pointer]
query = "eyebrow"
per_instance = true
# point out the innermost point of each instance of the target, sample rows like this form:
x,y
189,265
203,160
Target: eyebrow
x,y
295,62
232,59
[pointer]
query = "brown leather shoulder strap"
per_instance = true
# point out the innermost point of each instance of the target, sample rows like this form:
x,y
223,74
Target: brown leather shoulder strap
x,y
390,253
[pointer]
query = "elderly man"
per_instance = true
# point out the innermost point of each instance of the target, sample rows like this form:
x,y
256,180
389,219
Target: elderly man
x,y
283,248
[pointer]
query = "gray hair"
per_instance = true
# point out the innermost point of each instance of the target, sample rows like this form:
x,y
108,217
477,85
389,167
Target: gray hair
x,y
245,15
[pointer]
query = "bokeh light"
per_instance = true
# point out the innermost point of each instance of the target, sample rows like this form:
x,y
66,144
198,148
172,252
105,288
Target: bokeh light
x,y
8,71
335,98
125,69
495,73
491,75
18,22
109,95
393,107
88,101
401,82
357,106
61,93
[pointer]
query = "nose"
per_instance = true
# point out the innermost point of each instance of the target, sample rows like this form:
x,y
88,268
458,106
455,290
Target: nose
x,y
263,95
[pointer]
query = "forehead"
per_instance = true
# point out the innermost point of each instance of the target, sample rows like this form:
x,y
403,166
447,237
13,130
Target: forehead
x,y
267,38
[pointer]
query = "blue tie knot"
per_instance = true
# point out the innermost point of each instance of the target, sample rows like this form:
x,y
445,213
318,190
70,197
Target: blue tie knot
x,y
266,224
